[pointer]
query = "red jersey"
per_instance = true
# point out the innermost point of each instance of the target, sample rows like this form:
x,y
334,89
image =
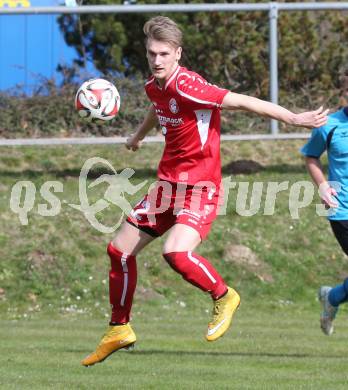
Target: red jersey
x,y
188,110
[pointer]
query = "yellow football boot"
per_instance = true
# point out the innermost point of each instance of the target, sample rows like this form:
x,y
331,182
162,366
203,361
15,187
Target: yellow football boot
x,y
223,311
117,337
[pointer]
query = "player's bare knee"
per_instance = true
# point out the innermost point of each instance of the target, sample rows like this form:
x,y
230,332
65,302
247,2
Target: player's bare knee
x,y
125,244
131,240
175,242
118,243
169,246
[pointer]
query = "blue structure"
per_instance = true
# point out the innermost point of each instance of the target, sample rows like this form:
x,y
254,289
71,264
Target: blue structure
x,y
31,47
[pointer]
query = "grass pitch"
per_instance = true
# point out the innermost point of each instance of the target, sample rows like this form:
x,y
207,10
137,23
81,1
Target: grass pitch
x,y
62,257
265,349
54,301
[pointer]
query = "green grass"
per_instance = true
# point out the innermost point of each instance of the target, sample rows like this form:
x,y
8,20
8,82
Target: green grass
x,y
54,299
62,258
266,348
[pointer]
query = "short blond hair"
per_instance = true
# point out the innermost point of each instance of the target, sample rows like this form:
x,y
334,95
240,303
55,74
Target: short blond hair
x,y
161,28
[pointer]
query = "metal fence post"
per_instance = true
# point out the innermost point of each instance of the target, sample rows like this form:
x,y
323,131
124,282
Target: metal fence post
x,y
273,59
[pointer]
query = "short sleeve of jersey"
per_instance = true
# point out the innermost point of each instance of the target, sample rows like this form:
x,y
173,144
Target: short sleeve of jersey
x,y
194,88
316,145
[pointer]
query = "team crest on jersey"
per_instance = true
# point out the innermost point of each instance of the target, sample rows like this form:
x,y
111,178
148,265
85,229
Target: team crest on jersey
x,y
173,106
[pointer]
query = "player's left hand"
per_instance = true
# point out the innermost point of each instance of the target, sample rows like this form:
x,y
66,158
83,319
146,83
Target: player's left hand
x,y
310,119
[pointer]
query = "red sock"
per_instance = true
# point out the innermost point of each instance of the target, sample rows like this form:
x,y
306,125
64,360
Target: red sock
x,y
198,271
122,283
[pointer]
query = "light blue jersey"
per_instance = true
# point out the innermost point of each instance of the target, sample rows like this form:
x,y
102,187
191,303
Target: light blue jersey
x,y
333,137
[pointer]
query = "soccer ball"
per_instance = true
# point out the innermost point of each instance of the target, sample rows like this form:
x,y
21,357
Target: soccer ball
x,y
97,99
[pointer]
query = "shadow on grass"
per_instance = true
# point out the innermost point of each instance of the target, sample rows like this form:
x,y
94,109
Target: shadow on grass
x,y
163,352
217,354
239,167
250,167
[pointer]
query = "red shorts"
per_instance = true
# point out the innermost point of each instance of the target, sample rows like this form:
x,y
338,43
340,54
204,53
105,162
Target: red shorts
x,y
167,204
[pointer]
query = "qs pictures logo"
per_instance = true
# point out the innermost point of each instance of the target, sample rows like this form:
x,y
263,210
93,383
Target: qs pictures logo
x,y
23,195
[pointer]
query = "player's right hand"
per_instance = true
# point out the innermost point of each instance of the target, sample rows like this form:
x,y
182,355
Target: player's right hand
x,y
132,143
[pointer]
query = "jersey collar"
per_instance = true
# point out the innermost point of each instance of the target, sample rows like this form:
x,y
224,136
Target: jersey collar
x,y
345,111
171,78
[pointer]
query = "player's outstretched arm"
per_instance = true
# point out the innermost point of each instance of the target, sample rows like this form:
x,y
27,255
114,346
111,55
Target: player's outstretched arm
x,y
150,121
309,119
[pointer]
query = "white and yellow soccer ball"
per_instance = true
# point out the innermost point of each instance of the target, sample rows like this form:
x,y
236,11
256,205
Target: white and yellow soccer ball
x,y
97,99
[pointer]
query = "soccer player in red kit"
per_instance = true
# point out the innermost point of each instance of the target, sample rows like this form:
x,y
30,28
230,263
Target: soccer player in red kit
x,y
185,199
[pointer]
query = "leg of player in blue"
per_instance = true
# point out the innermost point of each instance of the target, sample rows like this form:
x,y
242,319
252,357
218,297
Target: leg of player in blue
x,y
339,294
330,299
